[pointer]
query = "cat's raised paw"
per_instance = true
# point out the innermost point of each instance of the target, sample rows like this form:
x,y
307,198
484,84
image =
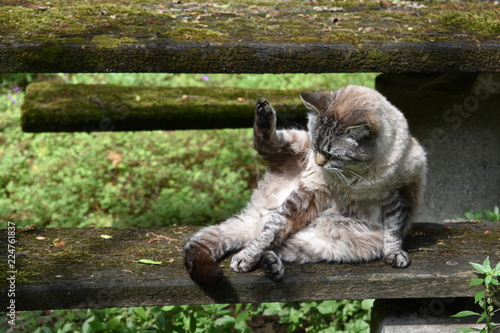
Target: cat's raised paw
x,y
272,265
263,109
400,259
244,261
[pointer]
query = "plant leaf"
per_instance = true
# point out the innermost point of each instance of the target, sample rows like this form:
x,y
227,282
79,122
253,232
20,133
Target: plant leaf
x,y
367,304
149,262
483,317
486,262
496,270
479,296
224,321
476,282
139,310
465,314
113,323
487,280
480,268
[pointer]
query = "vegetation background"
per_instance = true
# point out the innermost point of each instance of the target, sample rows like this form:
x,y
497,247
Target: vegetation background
x,y
150,179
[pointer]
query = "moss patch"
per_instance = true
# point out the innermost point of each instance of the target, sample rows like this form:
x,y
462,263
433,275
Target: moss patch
x,y
109,42
52,106
87,255
351,22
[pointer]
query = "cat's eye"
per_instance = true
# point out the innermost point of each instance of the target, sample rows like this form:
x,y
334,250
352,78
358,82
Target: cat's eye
x,y
359,132
330,156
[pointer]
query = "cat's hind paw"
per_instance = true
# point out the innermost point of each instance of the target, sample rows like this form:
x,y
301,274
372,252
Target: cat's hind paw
x,y
272,265
244,261
398,259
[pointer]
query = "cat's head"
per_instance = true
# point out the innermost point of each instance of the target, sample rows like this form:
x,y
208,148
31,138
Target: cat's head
x,y
345,126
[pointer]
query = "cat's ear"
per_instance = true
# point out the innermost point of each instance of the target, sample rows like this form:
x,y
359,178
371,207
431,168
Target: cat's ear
x,y
360,131
316,101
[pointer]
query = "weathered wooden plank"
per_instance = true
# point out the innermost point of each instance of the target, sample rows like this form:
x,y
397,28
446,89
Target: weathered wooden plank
x,y
89,271
249,37
57,107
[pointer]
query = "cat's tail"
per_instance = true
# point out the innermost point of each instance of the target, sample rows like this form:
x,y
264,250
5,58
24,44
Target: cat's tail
x,y
203,251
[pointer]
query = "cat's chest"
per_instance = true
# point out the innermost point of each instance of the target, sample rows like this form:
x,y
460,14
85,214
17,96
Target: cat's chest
x,y
366,211
277,189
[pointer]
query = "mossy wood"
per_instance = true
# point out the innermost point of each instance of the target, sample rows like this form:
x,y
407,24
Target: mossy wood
x,y
249,36
57,107
98,268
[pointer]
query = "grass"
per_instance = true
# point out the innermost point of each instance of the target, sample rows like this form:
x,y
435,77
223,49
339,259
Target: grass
x,y
145,179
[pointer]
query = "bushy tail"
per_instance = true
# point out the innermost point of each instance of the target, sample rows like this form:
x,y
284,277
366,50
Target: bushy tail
x,y
203,251
200,263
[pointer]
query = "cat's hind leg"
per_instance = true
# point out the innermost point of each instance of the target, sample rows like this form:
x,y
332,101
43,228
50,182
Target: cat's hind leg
x,y
205,248
334,238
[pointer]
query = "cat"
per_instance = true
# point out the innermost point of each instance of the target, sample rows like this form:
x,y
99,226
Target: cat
x,y
344,191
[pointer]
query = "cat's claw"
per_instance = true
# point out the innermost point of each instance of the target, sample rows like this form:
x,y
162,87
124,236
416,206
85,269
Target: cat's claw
x,y
272,265
399,259
244,261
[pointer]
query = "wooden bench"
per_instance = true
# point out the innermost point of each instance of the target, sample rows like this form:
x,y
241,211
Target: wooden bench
x,y
70,268
450,96
249,37
99,267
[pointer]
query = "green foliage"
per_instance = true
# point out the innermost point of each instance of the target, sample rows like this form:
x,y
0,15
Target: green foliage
x,y
489,278
327,316
12,80
491,215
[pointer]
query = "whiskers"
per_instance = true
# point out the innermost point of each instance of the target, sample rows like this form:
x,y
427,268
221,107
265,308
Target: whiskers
x,y
346,180
351,178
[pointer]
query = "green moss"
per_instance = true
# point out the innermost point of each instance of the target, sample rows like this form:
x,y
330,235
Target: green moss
x,y
378,56
86,253
110,42
52,106
485,22
109,24
194,34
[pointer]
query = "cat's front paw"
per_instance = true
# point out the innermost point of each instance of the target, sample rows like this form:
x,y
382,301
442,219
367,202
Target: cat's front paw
x,y
264,112
244,261
272,265
398,259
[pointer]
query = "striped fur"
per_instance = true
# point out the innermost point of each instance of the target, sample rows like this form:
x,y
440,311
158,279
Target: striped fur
x,y
344,191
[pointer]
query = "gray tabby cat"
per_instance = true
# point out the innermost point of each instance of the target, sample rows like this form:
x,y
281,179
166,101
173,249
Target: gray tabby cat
x,y
345,191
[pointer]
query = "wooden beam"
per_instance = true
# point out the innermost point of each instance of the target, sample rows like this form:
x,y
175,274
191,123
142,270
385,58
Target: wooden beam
x,y
249,37
98,268
57,107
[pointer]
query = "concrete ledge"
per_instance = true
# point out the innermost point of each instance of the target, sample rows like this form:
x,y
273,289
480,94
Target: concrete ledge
x,y
455,116
430,315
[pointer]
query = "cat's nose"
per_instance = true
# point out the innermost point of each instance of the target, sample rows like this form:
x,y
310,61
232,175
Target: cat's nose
x,y
320,159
